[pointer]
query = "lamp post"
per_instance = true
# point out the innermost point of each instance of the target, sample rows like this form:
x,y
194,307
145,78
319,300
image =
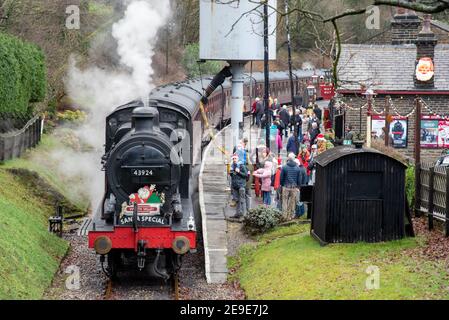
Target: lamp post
x,y
266,73
369,97
311,91
290,65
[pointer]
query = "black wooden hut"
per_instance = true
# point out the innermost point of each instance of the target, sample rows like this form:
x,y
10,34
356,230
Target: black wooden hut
x,y
359,196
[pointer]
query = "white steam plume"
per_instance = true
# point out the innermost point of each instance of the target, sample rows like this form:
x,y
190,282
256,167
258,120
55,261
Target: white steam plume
x,y
100,91
138,30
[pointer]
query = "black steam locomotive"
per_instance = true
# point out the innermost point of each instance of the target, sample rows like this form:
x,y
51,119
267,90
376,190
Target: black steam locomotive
x,y
146,219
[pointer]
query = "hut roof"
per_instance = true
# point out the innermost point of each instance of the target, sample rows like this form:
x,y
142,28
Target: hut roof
x,y
334,154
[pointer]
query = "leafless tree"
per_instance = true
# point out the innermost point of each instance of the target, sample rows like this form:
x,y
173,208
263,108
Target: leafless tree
x,y
423,6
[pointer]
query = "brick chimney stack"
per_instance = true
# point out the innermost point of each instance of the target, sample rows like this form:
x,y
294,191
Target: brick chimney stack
x,y
425,44
404,26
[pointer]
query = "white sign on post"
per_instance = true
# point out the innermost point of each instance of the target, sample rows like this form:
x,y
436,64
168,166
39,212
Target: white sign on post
x,y
233,30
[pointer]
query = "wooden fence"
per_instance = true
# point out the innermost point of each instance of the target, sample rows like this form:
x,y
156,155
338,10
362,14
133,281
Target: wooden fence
x,y
15,142
432,194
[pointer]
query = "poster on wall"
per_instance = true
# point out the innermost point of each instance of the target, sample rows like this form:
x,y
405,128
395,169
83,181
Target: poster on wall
x,y
443,134
398,132
377,125
429,132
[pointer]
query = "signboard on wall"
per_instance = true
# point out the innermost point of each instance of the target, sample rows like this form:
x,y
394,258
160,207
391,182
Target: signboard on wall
x,y
434,132
398,130
327,91
377,125
443,134
429,133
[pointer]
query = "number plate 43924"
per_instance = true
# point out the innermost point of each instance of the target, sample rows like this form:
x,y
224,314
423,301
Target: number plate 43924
x,y
142,173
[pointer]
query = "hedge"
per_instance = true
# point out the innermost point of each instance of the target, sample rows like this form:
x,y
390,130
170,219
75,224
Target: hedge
x,y
23,75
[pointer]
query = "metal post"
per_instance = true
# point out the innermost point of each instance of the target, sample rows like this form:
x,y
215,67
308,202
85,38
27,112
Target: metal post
x,y
167,44
387,124
290,68
446,224
431,197
267,76
360,123
418,158
368,123
238,80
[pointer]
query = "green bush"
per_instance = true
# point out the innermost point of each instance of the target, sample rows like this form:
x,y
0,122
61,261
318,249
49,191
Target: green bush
x,y
190,63
261,219
22,75
410,185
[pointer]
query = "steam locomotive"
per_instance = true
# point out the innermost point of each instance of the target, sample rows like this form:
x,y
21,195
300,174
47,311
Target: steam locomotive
x,y
146,219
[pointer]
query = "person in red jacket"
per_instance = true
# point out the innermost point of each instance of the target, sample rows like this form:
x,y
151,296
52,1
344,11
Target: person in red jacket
x,y
254,110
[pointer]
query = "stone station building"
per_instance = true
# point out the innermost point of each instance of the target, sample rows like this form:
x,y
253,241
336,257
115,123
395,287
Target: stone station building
x,y
415,65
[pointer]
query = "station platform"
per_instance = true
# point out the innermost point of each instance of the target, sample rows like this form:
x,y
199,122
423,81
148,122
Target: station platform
x,y
215,197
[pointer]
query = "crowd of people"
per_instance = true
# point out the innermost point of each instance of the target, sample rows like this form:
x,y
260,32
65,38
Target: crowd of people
x,y
302,136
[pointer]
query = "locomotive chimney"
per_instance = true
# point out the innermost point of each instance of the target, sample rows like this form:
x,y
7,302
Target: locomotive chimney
x,y
145,119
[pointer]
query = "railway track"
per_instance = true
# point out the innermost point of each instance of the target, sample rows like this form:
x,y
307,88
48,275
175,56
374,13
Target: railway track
x,y
94,285
141,288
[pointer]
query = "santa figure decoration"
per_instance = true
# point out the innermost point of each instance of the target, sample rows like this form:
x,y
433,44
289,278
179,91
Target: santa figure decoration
x,y
424,69
143,195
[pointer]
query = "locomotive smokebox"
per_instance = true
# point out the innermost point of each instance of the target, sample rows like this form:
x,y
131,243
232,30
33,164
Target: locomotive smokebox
x,y
145,119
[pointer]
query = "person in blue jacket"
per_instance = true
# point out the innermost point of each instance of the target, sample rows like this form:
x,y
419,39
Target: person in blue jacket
x,y
292,178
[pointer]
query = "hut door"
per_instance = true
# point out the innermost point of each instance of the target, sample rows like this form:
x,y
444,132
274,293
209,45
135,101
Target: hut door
x,y
363,219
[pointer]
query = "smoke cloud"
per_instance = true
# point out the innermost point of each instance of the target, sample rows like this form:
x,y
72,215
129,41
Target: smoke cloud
x,y
98,91
135,35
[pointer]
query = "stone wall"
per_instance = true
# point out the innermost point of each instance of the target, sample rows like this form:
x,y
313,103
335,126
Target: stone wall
x,y
404,104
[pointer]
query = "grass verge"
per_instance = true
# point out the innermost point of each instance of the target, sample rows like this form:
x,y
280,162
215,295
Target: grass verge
x,y
29,254
288,264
